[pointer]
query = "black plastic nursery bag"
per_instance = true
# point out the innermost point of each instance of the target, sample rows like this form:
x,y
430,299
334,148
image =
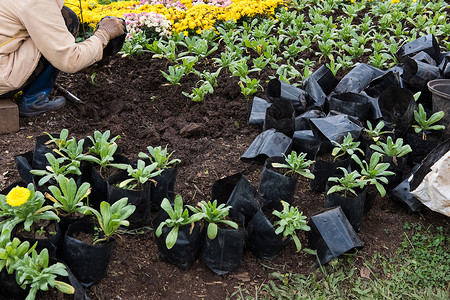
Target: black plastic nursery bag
x,y
426,43
258,112
318,85
332,235
244,200
302,121
357,79
416,74
334,128
356,105
267,144
164,188
280,116
305,141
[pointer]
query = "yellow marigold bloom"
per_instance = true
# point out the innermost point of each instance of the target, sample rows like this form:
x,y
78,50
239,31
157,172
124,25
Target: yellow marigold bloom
x,y
18,196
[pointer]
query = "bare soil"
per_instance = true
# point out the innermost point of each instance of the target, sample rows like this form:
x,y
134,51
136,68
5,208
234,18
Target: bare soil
x,y
131,98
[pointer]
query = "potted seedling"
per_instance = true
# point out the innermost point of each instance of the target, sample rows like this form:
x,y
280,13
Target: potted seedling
x,y
25,206
67,200
426,134
87,246
275,186
229,242
290,222
326,164
57,166
47,144
11,251
348,192
394,154
370,134
177,233
165,181
135,183
375,172
105,161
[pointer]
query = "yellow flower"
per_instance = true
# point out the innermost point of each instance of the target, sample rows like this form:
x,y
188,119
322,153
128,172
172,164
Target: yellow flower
x,y
18,196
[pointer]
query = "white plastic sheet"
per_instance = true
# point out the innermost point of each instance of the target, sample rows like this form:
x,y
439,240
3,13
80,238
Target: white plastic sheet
x,y
434,190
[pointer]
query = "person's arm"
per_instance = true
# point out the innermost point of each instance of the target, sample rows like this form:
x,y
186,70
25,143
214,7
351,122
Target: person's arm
x,y
47,29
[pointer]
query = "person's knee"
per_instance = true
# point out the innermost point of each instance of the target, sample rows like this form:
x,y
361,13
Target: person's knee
x,y
71,19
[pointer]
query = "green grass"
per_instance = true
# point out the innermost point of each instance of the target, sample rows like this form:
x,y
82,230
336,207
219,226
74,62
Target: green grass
x,y
419,269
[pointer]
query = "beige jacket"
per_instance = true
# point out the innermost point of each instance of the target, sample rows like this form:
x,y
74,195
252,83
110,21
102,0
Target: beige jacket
x,y
31,28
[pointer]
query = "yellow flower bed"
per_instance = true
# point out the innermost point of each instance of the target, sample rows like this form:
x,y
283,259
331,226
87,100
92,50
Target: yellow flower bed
x,y
195,18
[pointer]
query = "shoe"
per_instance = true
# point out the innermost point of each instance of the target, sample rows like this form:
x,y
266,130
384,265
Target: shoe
x,y
35,99
38,104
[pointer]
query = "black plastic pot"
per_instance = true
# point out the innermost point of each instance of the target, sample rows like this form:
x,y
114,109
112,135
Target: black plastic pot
x,y
381,83
51,243
258,112
305,141
224,253
420,147
397,106
244,200
353,207
357,79
9,289
397,165
164,188
115,45
334,128
262,239
23,165
401,193
267,144
187,247
318,85
323,169
352,104
280,116
416,74
89,263
426,43
277,89
139,198
39,160
302,121
371,196
332,234
275,187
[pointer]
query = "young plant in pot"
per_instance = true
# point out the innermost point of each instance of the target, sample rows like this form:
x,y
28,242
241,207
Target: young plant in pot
x,y
371,135
105,162
349,193
87,246
291,220
39,223
135,184
375,173
329,157
275,186
394,154
177,233
165,181
222,248
47,144
57,166
427,134
67,200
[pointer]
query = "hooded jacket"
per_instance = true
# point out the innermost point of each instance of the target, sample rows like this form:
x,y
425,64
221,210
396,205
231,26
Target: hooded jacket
x,y
31,28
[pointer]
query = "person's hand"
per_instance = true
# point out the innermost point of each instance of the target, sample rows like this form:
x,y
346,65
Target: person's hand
x,y
108,29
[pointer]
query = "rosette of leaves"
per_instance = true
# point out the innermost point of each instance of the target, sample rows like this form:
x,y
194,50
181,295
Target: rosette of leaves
x,y
25,207
291,220
214,215
111,217
177,217
375,133
390,148
348,146
58,166
424,125
160,156
68,197
12,251
61,141
141,174
34,271
105,156
347,184
374,171
100,141
296,164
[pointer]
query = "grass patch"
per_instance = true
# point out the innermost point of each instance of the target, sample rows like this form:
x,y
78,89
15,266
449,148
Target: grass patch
x,y
419,269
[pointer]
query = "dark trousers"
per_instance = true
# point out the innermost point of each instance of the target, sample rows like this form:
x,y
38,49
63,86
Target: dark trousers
x,y
72,24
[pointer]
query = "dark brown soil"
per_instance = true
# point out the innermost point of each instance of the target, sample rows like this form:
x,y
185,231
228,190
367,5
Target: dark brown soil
x,y
131,98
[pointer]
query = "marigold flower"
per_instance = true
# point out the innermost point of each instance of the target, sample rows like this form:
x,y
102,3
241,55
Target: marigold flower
x,y
18,196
